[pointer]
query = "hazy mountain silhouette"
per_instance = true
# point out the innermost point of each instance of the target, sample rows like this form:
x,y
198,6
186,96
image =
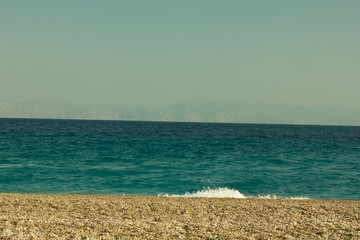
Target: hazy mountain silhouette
x,y
188,112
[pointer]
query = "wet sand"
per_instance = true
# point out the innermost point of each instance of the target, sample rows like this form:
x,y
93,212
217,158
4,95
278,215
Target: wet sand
x,y
30,216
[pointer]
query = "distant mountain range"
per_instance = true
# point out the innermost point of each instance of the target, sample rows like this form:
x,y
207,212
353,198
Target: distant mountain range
x,y
186,112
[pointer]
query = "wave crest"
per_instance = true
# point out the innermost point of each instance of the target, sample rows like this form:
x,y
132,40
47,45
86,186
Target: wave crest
x,y
221,192
224,192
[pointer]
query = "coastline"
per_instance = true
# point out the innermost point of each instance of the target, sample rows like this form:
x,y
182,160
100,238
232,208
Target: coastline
x,y
52,216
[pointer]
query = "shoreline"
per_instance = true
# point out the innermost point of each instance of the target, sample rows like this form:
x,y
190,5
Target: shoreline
x,y
61,216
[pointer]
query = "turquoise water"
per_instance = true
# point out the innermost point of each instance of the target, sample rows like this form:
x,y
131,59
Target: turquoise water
x,y
187,159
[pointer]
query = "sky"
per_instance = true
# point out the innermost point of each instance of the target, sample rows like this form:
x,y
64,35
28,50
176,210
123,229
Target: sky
x,y
143,53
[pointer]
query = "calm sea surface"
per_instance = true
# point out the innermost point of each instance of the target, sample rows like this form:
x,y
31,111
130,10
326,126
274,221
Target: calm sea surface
x,y
187,159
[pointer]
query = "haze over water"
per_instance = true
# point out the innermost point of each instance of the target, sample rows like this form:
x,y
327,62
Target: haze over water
x,y
142,53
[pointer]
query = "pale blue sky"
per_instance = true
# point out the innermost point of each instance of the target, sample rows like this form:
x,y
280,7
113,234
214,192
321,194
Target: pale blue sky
x,y
140,53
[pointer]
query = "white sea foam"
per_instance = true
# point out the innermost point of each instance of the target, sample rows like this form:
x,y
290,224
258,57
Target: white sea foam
x,y
280,197
224,192
221,192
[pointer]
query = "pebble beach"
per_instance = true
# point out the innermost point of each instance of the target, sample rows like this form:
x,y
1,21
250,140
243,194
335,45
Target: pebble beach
x,y
37,216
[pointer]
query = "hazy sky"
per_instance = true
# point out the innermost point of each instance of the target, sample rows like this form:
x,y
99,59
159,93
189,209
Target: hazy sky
x,y
139,53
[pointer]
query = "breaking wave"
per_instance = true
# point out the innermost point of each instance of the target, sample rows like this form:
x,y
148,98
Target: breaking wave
x,y
224,192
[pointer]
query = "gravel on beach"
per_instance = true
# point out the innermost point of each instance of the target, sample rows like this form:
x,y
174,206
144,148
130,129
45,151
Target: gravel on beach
x,y
42,216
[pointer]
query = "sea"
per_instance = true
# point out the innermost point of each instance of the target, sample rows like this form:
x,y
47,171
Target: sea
x,y
52,156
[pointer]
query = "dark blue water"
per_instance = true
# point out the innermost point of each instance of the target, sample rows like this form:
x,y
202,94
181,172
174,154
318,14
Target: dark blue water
x,y
151,158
